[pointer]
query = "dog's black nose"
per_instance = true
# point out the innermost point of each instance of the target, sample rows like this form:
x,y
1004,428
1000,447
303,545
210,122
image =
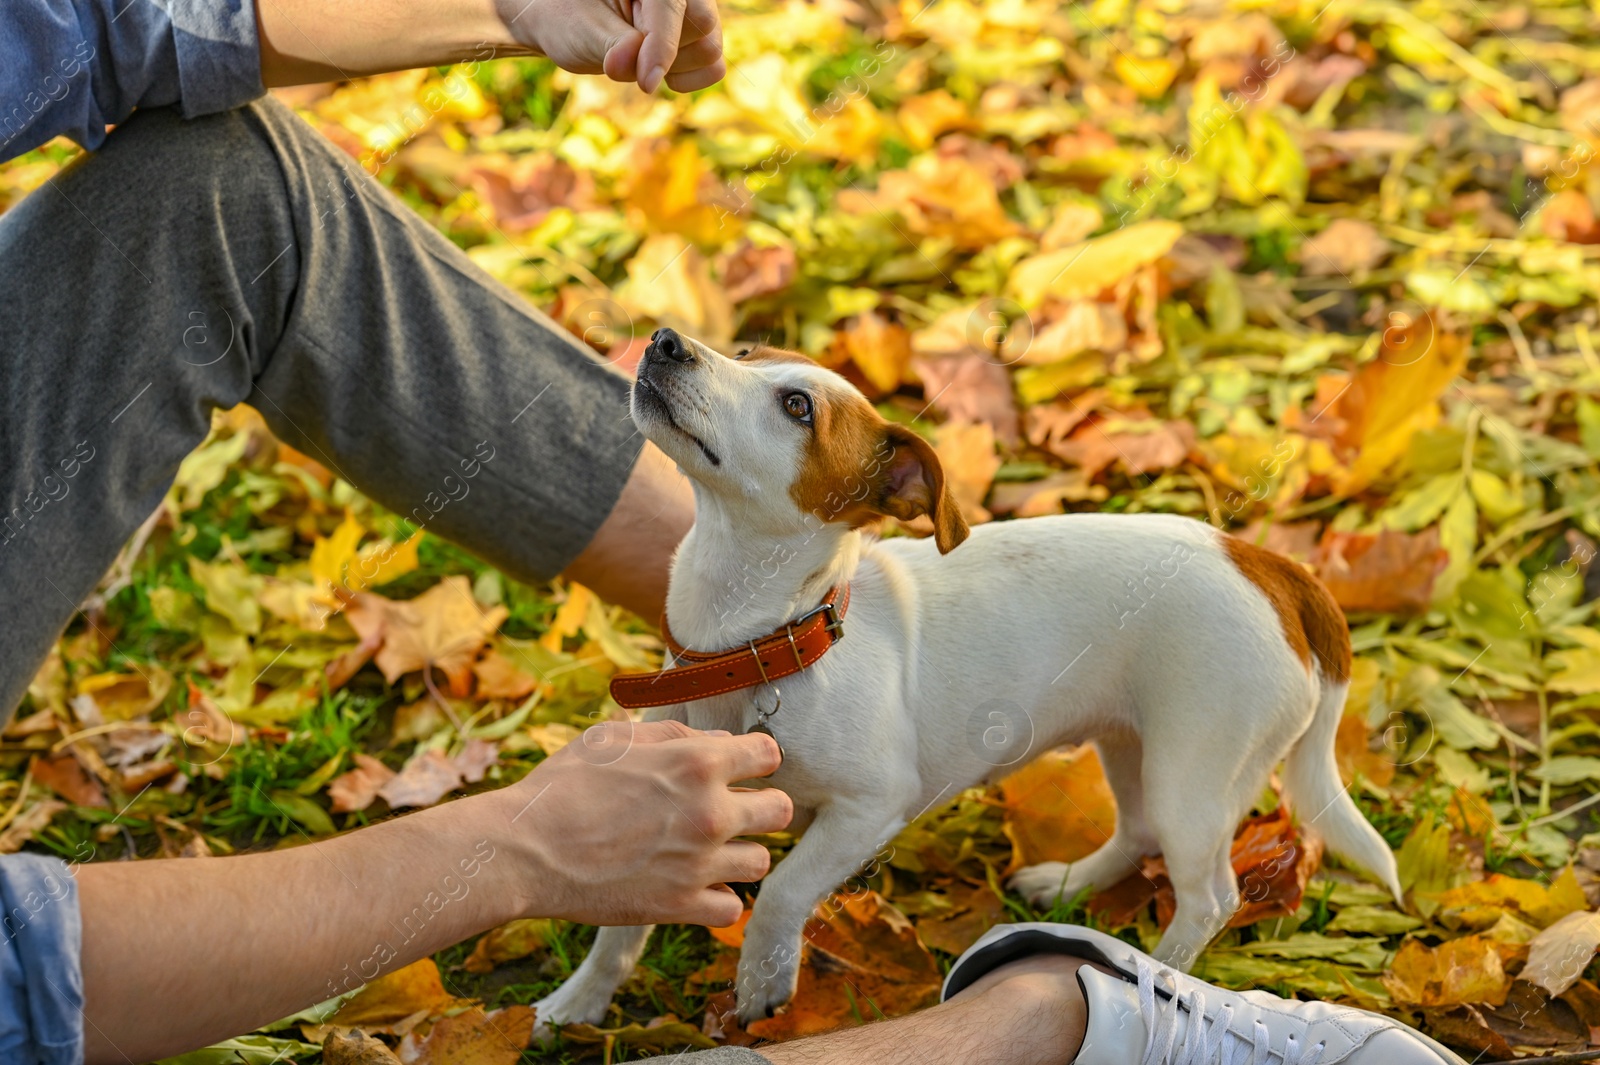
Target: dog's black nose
x,y
668,343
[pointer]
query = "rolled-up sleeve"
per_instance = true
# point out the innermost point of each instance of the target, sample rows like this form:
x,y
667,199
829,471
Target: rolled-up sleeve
x,y
41,979
78,67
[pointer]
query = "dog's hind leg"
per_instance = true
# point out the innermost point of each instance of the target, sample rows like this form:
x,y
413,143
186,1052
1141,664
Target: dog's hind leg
x,y
1194,817
1121,755
847,837
587,994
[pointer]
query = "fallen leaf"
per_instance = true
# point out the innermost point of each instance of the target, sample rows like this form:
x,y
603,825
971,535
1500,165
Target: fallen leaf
x,y
1058,808
28,823
127,696
443,628
392,1004
356,1048
1138,444
425,779
750,271
1558,956
973,911
658,1036
1348,246
1456,972
880,349
471,1037
1390,572
357,788
970,388
1085,269
861,959
64,775
509,942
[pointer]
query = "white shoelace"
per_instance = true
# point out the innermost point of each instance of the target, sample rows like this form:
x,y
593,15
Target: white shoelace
x,y
1207,1039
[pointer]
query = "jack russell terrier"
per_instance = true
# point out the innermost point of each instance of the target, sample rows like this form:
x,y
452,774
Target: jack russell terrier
x,y
1194,661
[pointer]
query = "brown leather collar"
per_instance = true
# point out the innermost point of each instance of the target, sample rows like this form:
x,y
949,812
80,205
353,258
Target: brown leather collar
x,y
796,646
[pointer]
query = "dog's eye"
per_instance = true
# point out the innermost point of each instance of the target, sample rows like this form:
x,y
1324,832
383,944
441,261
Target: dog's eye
x,y
797,405
742,353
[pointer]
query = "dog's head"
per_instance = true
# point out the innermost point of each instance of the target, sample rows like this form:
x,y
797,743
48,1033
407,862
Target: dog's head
x,y
797,441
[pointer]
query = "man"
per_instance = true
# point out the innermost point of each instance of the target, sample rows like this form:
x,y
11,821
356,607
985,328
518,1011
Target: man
x,y
369,341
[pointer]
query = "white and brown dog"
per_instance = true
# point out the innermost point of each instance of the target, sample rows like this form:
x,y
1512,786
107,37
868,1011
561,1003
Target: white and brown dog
x,y
1194,661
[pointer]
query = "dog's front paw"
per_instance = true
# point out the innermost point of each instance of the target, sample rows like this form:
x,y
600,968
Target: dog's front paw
x,y
1043,884
766,981
568,1004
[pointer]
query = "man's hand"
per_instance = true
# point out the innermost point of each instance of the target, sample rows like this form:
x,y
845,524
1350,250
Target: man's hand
x,y
634,824
648,41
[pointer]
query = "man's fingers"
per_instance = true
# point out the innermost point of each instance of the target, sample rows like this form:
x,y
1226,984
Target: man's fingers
x,y
622,60
755,754
697,56
662,23
689,81
741,862
716,906
761,810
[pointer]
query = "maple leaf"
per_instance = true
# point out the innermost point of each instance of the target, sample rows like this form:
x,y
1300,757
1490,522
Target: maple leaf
x,y
443,628
1390,572
1058,808
357,788
472,1037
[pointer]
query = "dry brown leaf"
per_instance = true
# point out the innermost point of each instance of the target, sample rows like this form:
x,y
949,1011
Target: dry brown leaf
x,y
476,759
358,787
502,677
428,777
1558,956
1390,573
970,388
1347,247
64,775
974,910
356,1048
1138,444
472,1037
750,271
444,628
938,196
523,192
25,825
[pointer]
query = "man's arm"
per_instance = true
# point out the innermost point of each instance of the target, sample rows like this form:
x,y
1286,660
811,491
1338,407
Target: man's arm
x,y
679,41
626,825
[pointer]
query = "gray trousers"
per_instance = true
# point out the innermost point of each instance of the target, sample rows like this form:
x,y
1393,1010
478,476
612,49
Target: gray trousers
x,y
241,257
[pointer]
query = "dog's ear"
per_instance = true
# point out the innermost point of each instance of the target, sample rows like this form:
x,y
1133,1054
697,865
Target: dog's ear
x,y
912,483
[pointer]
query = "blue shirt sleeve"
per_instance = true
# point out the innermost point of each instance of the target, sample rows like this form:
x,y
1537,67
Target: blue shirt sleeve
x,y
79,66
41,979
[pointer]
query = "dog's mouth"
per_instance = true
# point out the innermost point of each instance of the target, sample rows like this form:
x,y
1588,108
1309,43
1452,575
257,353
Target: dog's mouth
x,y
648,395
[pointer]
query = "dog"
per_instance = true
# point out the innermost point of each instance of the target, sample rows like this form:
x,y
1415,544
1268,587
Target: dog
x,y
1194,661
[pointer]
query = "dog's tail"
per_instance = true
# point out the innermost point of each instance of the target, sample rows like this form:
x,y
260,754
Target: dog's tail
x,y
1311,772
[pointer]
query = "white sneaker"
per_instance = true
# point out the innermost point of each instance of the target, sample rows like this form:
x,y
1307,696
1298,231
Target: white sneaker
x,y
1152,1015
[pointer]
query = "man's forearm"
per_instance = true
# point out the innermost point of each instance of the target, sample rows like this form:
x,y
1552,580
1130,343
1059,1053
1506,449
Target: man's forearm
x,y
330,40
325,918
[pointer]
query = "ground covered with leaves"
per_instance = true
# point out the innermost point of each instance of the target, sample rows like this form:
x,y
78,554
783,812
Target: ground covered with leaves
x,y
1322,274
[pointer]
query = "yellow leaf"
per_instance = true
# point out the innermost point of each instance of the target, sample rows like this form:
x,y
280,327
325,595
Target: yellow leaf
x,y
1089,267
330,555
569,618
1150,77
231,591
1458,972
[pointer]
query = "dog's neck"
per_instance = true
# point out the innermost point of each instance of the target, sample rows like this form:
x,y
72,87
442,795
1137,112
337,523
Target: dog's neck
x,y
733,582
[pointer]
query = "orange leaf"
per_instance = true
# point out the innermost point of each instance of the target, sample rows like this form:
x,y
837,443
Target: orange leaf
x,y
63,775
1058,808
394,1002
861,960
